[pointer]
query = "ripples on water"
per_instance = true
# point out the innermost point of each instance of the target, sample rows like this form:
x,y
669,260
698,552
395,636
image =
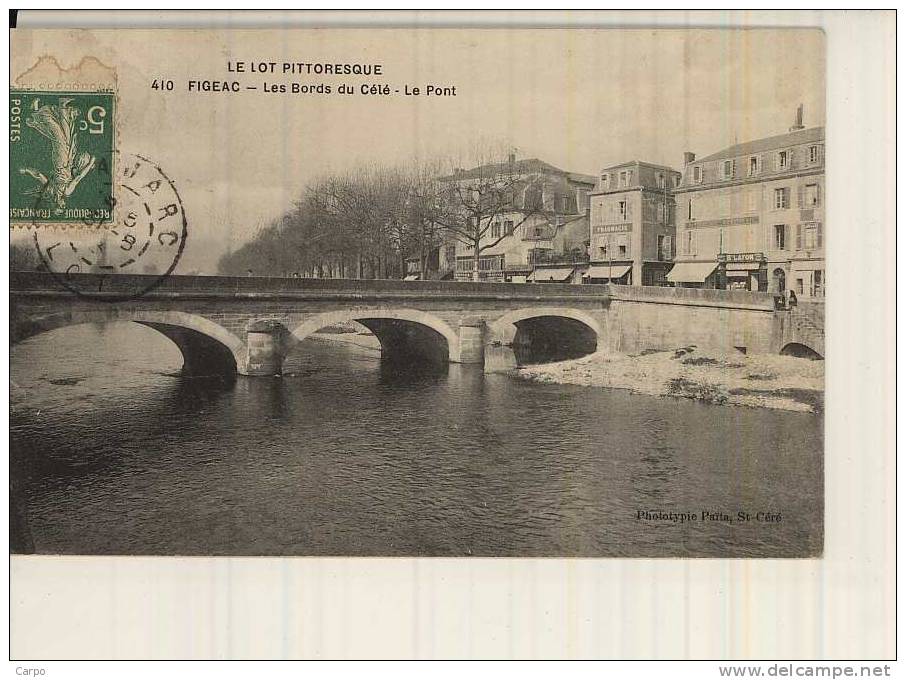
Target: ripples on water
x,y
112,452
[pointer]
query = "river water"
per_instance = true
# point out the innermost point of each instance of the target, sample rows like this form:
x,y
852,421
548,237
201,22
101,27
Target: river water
x,y
113,452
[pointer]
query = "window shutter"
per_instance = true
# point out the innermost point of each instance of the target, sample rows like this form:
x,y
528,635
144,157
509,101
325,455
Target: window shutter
x,y
819,235
788,236
798,237
668,248
801,198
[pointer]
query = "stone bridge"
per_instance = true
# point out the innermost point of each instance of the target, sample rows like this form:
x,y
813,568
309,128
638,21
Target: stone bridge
x,y
802,330
249,325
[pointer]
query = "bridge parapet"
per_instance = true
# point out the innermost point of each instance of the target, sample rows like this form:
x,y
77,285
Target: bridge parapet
x,y
291,288
699,297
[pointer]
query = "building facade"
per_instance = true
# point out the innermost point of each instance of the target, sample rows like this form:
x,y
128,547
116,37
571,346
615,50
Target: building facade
x,y
543,238
751,217
632,224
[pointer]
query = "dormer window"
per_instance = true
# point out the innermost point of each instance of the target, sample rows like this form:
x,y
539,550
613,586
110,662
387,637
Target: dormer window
x,y
661,181
729,169
624,179
605,180
697,174
814,154
754,166
783,160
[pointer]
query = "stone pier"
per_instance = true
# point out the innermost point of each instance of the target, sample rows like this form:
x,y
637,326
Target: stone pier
x,y
265,342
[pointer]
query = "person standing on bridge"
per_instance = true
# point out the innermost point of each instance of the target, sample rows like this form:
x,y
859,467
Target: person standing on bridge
x,y
791,302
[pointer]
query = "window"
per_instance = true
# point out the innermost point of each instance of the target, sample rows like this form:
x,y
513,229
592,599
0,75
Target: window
x,y
782,198
729,169
508,227
534,198
813,154
624,182
623,209
690,243
753,166
783,160
661,181
780,237
492,263
811,196
539,232
622,250
690,208
495,230
661,255
697,173
800,287
676,180
813,237
605,180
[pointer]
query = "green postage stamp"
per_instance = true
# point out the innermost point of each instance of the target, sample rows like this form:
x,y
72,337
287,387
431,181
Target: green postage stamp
x,y
61,157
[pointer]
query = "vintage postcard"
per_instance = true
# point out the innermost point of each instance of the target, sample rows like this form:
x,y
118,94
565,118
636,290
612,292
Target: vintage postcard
x,y
439,293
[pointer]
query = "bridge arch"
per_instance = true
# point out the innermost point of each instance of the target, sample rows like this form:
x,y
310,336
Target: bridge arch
x,y
438,330
800,349
504,329
539,331
207,347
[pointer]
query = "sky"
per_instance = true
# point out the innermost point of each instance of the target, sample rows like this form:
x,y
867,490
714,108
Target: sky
x,y
578,99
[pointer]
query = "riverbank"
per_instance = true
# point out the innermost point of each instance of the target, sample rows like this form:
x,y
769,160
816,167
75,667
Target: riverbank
x,y
762,381
349,333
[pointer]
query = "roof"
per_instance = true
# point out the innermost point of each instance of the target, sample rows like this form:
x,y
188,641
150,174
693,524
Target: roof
x,y
814,134
525,166
637,162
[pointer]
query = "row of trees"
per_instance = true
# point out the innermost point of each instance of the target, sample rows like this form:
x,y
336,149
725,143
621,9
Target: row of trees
x,y
368,222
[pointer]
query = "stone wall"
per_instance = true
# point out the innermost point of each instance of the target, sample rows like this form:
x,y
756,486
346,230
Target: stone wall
x,y
667,318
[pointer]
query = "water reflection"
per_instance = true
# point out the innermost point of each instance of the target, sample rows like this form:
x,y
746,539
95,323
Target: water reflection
x,y
348,455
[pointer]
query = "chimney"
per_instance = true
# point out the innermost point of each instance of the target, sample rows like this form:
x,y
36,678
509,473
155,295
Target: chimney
x,y
798,125
688,157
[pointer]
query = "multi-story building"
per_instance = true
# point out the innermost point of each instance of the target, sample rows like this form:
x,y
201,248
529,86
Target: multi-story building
x,y
632,224
752,216
543,237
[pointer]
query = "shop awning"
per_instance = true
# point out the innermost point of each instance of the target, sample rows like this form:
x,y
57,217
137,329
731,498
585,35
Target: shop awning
x,y
411,277
555,274
691,272
616,271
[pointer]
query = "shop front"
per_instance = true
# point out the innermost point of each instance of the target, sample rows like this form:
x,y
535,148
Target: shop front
x,y
743,271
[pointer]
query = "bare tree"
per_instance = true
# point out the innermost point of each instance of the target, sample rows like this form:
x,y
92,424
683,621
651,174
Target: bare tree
x,y
483,206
